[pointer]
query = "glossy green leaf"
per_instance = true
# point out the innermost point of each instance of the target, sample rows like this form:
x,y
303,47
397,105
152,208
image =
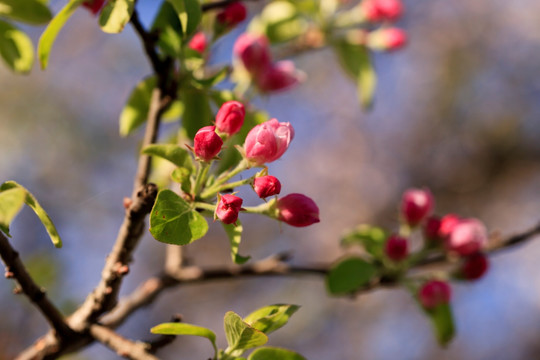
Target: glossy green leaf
x,y
16,48
241,336
32,12
169,28
185,329
136,110
174,153
270,318
31,201
174,221
274,353
349,275
11,202
443,323
372,238
197,111
48,37
190,14
234,233
115,15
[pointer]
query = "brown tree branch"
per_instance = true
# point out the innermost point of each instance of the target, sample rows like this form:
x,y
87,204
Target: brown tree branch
x,y
122,346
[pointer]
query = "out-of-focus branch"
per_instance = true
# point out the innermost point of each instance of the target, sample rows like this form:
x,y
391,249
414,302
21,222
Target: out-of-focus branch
x,y
122,346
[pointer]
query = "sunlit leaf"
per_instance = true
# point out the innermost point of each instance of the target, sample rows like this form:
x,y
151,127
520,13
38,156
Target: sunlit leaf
x,y
234,233
168,26
372,238
189,12
174,153
32,12
16,48
185,329
115,15
270,318
241,336
274,353
136,110
443,323
11,202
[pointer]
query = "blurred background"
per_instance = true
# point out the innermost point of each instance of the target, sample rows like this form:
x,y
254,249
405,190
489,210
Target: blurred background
x,y
457,110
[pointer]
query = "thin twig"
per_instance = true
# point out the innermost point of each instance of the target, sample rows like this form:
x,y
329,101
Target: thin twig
x,y
122,346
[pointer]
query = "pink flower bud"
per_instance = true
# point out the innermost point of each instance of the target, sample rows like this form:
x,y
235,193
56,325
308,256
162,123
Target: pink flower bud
x,y
94,6
207,144
266,186
377,10
467,237
447,225
228,208
370,10
432,227
230,117
254,52
232,14
396,248
416,205
434,293
268,141
198,42
474,267
386,39
277,77
297,210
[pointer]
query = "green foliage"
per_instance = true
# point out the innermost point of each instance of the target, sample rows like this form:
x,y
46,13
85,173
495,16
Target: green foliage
x,y
280,21
197,111
349,275
11,202
240,335
48,37
186,329
136,110
31,201
274,353
33,12
115,15
174,153
371,238
234,233
168,26
443,323
174,221
189,13
16,48
270,318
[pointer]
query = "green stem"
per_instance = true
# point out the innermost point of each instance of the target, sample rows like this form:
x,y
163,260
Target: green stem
x,y
243,165
204,206
208,193
200,178
263,209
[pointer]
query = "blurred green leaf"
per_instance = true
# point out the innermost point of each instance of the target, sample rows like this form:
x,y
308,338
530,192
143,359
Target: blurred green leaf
x,y
197,111
443,323
174,221
241,336
182,176
32,12
349,275
270,318
274,353
190,14
174,112
280,21
372,238
11,202
174,153
115,15
234,233
136,110
213,79
48,37
16,48
169,28
31,201
185,329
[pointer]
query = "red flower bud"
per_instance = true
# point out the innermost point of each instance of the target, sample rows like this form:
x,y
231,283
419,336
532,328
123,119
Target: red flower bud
x,y
467,237
207,144
266,186
198,42
386,39
416,205
228,208
396,248
277,77
447,225
432,227
297,210
94,6
474,266
232,14
378,10
434,293
230,117
254,52
268,141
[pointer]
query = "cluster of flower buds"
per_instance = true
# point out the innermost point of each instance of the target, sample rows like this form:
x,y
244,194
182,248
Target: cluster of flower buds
x,y
253,51
94,6
387,37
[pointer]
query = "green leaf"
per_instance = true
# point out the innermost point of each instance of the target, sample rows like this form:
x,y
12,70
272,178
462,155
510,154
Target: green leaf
x,y
115,15
174,221
234,233
48,37
186,329
270,318
190,14
31,201
32,12
213,79
11,202
349,275
280,21
274,353
197,111
182,176
174,112
241,336
136,110
372,238
169,28
443,323
174,153
16,48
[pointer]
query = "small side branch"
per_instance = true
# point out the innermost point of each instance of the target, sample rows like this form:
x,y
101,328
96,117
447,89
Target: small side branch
x,y
122,346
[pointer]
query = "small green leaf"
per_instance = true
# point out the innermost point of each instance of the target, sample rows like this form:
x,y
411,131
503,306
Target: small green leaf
x,y
48,37
372,238
443,323
189,12
33,12
169,28
174,221
214,79
31,201
174,153
186,329
366,81
270,318
274,353
182,176
349,275
16,48
241,336
197,111
11,202
174,112
280,21
115,15
235,236
135,112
